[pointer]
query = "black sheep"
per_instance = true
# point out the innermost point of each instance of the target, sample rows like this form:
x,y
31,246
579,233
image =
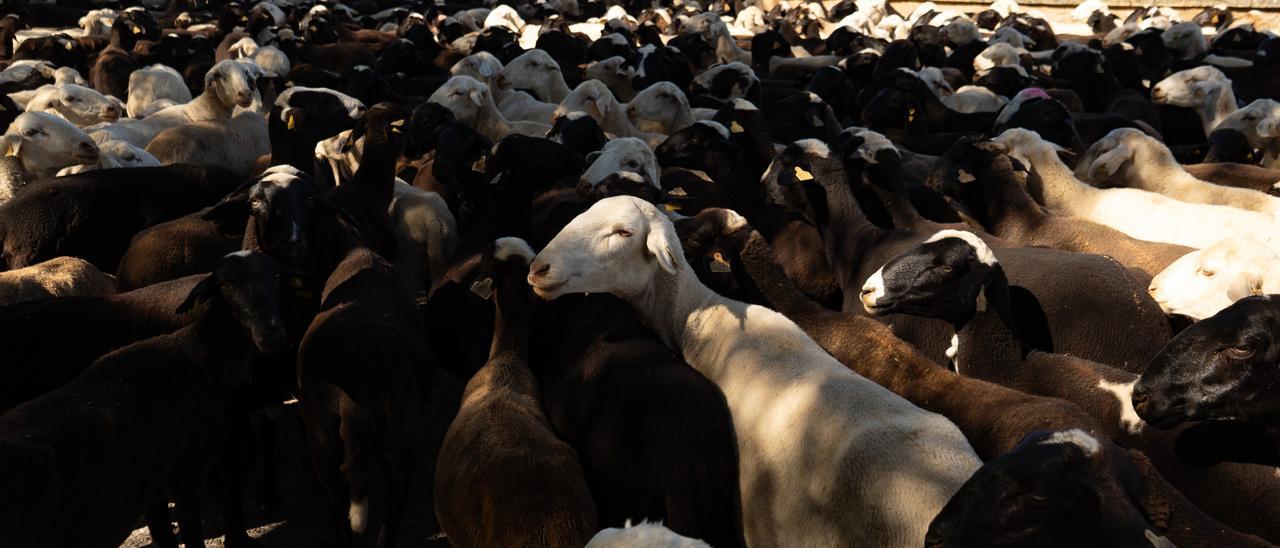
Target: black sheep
x,y
84,462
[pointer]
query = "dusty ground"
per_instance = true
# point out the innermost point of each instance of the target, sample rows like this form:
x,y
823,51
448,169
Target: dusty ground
x,y
300,520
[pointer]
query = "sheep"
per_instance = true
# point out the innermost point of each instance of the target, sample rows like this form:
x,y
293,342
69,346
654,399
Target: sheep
x,y
727,82
114,153
1166,220
996,55
77,104
1238,175
536,71
1220,368
615,73
625,246
1185,40
1130,158
426,236
93,215
985,184
44,143
1124,326
154,88
56,277
163,397
593,98
236,143
653,535
1205,89
1203,282
623,154
471,102
226,86
524,469
660,108
1069,488
955,277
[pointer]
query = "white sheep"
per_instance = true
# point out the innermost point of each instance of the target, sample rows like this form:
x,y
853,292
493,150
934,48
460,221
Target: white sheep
x,y
1130,158
646,534
505,16
968,98
228,84
826,457
154,88
595,99
272,60
77,104
961,30
57,277
235,144
1203,282
114,153
703,79
1084,9
536,71
660,108
1000,54
426,236
615,73
1011,36
482,66
1138,213
45,143
472,103
622,154
1204,88
1259,121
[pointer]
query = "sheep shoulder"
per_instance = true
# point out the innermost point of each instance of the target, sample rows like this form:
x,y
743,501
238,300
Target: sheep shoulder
x,y
58,277
236,143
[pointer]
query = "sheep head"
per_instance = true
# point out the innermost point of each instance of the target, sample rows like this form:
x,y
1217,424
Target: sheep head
x,y
661,108
79,105
593,98
482,66
464,96
1047,487
1189,88
622,154
617,246
1115,155
534,70
46,143
232,83
1023,145
1221,368
1205,281
1259,121
945,277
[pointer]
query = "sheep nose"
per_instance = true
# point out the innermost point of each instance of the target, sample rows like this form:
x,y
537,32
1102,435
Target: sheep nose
x,y
88,148
538,269
1140,399
1152,289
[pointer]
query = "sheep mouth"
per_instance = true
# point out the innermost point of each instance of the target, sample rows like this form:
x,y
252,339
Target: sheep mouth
x,y
549,291
85,158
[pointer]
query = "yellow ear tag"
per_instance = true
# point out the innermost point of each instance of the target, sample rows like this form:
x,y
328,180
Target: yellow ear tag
x,y
395,126
10,151
291,122
735,127
911,114
678,191
803,175
136,29
479,165
982,299
483,288
719,265
671,207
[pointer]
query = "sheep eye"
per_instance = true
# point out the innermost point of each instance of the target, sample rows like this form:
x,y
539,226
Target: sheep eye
x,y
73,100
31,132
1240,352
622,231
1206,272
633,164
945,269
130,157
1039,499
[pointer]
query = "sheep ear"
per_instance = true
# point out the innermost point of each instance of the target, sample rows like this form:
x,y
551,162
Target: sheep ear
x,y
477,97
593,156
12,145
203,291
1246,285
659,242
602,105
1109,163
1267,126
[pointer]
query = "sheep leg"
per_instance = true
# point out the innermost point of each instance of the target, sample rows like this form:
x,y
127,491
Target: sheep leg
x,y
356,440
267,442
188,497
158,524
234,466
325,451
397,465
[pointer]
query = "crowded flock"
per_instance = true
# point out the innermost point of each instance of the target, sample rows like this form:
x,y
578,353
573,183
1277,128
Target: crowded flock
x,y
638,274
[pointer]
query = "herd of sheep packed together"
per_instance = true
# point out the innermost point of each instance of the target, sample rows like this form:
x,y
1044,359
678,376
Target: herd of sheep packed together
x,y
648,274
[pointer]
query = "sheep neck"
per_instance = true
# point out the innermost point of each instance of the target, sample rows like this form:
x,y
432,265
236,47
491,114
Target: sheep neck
x,y
220,341
667,301
774,285
845,224
559,89
208,106
1053,184
1220,104
490,121
990,337
510,322
1007,207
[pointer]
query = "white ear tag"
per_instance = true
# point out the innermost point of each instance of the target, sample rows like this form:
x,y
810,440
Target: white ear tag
x,y
982,299
483,288
479,165
678,191
966,177
735,127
